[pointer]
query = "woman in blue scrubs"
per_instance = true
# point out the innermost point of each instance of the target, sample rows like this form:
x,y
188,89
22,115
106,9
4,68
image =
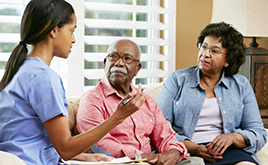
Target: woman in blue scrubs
x,y
33,107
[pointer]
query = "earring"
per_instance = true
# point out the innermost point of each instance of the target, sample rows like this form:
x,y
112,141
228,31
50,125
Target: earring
x,y
226,64
53,36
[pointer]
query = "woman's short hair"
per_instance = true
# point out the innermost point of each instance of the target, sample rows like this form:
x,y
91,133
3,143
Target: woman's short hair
x,y
232,40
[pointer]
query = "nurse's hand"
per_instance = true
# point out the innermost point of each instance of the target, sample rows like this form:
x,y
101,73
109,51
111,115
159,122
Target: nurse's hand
x,y
122,112
92,157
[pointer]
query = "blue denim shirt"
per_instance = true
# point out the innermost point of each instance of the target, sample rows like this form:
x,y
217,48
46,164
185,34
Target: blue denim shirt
x,y
182,97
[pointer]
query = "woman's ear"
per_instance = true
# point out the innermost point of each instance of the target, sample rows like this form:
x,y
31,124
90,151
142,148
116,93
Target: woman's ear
x,y
53,32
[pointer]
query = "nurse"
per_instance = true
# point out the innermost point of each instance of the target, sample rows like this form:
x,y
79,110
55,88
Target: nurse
x,y
33,107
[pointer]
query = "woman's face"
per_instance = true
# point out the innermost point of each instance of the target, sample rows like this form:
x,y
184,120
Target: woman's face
x,y
64,39
211,63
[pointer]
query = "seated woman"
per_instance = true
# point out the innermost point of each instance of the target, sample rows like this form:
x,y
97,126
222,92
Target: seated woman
x,y
212,108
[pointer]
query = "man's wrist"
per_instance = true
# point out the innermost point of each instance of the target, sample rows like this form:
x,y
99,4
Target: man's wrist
x,y
175,150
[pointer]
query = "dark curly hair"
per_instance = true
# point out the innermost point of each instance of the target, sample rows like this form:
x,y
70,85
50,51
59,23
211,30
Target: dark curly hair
x,y
232,40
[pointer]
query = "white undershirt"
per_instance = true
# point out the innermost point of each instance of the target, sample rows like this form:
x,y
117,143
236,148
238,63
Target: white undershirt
x,y
209,124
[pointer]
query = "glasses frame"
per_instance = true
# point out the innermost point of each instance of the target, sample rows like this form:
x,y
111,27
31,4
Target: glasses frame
x,y
129,55
209,50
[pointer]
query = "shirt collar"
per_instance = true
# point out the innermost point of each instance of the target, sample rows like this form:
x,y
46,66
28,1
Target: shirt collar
x,y
108,88
196,78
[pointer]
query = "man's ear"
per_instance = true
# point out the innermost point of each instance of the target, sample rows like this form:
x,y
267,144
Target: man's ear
x,y
104,61
138,68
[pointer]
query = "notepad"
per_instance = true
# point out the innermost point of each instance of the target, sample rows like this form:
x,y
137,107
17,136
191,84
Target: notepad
x,y
123,160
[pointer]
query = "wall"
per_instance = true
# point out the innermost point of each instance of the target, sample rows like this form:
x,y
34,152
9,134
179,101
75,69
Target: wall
x,y
192,17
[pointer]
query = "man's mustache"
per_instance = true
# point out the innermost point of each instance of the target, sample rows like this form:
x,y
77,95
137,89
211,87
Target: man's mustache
x,y
116,69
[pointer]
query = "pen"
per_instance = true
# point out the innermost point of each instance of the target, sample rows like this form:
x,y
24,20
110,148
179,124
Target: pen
x,y
128,100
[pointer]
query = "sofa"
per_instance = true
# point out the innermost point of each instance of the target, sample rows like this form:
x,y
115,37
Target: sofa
x,y
152,90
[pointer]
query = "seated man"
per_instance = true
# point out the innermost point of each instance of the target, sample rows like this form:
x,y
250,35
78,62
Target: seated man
x,y
142,129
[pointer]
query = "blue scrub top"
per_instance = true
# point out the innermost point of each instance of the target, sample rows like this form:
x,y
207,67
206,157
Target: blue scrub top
x,y
34,95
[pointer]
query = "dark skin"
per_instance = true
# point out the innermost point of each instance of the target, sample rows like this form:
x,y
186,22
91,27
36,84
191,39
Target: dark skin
x,y
211,68
69,146
121,79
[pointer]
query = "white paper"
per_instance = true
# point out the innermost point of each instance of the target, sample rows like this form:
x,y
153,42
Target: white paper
x,y
116,160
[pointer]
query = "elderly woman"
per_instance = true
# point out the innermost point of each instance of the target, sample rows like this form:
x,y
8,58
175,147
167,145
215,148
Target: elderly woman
x,y
212,108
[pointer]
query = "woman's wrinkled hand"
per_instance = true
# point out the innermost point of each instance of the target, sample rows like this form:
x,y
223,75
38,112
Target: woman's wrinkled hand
x,y
219,145
204,152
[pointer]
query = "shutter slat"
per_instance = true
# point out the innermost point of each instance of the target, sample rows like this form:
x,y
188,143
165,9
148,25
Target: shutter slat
x,y
143,73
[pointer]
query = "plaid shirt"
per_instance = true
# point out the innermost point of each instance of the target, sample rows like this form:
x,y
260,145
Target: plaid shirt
x,y
136,134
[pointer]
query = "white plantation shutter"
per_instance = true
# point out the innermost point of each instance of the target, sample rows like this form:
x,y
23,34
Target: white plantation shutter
x,y
10,17
109,20
150,23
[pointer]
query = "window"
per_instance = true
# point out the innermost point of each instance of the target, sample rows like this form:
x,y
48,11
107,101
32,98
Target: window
x,y
10,17
150,23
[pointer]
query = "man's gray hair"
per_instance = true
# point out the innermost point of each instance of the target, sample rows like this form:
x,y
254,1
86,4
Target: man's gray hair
x,y
116,41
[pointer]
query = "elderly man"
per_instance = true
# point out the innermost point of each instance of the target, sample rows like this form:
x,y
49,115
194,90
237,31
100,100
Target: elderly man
x,y
142,129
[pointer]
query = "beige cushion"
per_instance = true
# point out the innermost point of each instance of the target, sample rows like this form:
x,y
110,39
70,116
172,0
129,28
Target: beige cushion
x,y
72,112
10,159
153,89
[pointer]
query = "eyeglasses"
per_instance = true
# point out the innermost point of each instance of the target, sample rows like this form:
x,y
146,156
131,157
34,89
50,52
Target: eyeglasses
x,y
126,58
213,51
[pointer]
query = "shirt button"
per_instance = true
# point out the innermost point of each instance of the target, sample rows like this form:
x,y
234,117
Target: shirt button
x,y
242,106
138,136
134,119
151,120
219,98
223,112
177,103
225,130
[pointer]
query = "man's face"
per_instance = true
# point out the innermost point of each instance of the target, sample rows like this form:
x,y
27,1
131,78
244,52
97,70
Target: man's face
x,y
119,72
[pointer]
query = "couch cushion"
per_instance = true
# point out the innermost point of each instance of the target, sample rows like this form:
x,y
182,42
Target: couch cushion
x,y
263,154
10,159
72,112
153,89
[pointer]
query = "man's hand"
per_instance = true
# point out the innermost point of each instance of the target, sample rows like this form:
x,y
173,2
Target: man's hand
x,y
170,157
148,157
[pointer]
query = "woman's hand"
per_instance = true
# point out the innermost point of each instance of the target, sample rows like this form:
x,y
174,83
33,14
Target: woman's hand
x,y
219,145
132,106
92,157
201,151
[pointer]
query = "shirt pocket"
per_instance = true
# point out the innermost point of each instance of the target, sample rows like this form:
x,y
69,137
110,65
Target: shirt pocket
x,y
238,113
179,107
49,156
